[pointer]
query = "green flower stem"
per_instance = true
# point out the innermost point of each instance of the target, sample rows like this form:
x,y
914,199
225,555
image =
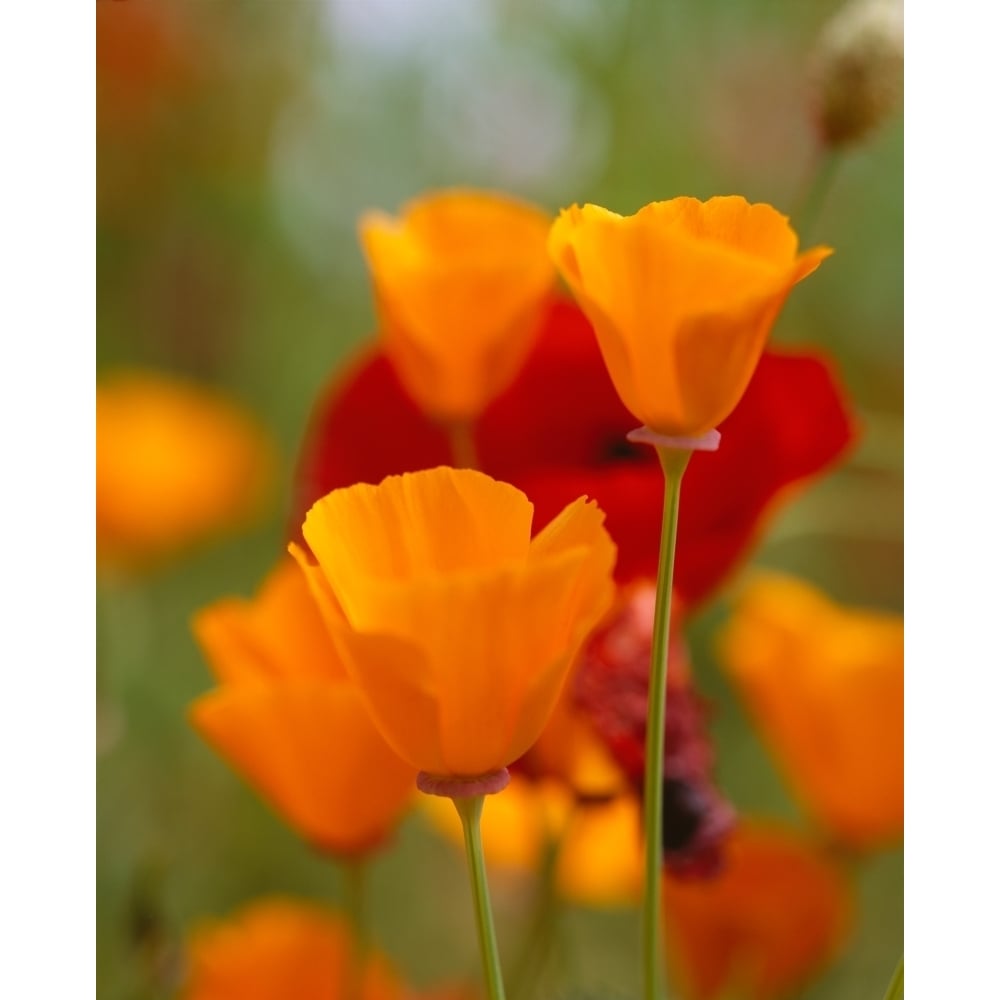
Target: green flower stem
x,y
674,463
542,929
354,891
814,197
469,811
462,444
895,990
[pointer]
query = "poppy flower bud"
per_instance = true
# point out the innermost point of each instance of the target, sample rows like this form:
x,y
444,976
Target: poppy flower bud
x,y
859,70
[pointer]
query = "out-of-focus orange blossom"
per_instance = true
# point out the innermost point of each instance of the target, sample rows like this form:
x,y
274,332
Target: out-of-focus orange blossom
x,y
287,717
771,921
177,464
682,296
458,626
824,683
461,282
283,949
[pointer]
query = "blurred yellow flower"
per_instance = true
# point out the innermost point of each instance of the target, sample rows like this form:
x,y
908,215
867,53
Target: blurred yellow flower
x,y
598,845
682,296
770,921
460,279
458,627
601,861
516,827
176,464
287,717
281,949
825,686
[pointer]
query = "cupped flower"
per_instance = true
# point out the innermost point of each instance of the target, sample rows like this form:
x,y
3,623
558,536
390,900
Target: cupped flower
x,y
682,295
287,717
177,463
460,281
824,683
458,627
767,925
279,949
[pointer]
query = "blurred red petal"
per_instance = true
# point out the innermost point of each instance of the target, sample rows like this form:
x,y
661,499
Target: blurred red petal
x,y
559,432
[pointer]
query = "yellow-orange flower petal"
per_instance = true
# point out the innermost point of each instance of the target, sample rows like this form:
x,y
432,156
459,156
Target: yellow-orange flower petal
x,y
281,949
279,634
287,718
682,296
176,464
460,281
825,685
601,860
461,640
764,927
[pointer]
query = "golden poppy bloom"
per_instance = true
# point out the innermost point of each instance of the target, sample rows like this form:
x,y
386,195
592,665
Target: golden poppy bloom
x,y
682,296
461,279
771,920
176,464
287,717
279,949
825,685
458,627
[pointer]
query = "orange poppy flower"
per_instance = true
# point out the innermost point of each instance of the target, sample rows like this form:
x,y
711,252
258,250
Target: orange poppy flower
x,y
288,718
771,920
682,296
279,949
825,685
461,281
458,627
176,464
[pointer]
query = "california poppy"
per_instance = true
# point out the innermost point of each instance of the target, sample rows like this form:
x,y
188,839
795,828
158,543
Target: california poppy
x,y
460,281
177,463
824,683
288,718
277,949
458,627
682,295
767,924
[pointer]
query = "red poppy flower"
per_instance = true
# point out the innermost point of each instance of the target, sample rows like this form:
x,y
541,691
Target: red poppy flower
x,y
559,432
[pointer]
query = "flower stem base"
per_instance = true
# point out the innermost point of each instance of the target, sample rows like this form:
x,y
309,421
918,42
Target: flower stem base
x,y
709,441
463,788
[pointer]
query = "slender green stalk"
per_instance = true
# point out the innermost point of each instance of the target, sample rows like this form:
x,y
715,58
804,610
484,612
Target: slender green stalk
x,y
354,893
895,990
674,463
542,928
469,811
463,445
814,197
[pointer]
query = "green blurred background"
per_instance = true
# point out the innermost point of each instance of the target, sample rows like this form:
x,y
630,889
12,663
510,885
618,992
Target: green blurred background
x,y
238,141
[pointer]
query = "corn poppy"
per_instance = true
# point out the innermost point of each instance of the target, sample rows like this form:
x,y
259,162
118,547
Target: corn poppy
x,y
458,627
767,924
682,295
460,281
824,683
177,464
537,436
287,717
